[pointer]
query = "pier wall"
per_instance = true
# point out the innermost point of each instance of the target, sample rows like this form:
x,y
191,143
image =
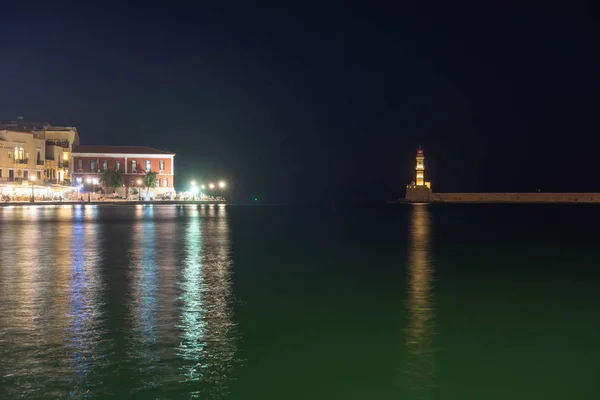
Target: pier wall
x,y
516,197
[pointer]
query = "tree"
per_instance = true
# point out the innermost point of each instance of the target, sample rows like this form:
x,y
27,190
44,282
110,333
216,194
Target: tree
x,y
149,181
112,179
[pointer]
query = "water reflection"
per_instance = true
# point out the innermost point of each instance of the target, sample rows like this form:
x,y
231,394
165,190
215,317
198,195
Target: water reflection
x,y
86,301
145,298
421,312
207,339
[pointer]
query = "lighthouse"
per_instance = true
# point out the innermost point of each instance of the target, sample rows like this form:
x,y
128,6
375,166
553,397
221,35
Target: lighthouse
x,y
419,190
420,169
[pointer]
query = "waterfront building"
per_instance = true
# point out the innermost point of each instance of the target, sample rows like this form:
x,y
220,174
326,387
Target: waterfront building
x,y
59,142
22,159
89,162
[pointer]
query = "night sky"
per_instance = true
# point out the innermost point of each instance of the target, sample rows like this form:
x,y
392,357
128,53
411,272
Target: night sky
x,y
320,102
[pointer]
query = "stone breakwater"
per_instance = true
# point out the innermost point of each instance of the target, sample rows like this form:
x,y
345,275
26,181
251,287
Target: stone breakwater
x,y
425,195
516,197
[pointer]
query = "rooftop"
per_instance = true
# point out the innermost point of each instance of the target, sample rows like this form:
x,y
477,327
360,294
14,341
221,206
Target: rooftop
x,y
120,150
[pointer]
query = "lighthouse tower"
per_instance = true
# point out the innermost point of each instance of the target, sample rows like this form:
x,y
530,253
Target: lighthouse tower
x,y
419,190
420,169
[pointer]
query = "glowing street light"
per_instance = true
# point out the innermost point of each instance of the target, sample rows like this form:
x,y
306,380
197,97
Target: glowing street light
x,y
222,184
211,186
89,180
202,187
32,178
193,183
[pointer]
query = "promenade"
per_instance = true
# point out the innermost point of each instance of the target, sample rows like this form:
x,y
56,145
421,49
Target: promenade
x,y
107,202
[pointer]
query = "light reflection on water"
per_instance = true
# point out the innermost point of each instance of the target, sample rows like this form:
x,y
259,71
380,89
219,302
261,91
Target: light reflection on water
x,y
206,342
76,281
421,307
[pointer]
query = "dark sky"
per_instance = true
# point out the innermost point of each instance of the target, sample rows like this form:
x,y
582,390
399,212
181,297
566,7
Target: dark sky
x,y
320,101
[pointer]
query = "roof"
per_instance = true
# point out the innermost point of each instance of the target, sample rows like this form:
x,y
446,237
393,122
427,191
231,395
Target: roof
x,y
120,150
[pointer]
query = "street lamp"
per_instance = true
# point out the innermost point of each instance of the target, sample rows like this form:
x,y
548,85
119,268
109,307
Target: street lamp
x,y
194,189
89,182
139,182
32,178
211,186
221,186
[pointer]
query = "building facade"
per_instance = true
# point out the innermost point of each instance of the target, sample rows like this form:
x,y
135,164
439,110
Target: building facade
x,y
89,162
22,160
58,142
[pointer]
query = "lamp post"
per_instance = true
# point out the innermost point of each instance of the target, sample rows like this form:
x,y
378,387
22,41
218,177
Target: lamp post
x,y
139,182
32,179
194,189
221,186
89,181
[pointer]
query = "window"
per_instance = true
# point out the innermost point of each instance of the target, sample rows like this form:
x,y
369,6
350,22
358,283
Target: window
x,y
19,153
79,164
39,158
148,165
79,181
0,172
161,165
11,174
166,182
118,165
131,183
39,175
26,175
133,166
93,166
104,165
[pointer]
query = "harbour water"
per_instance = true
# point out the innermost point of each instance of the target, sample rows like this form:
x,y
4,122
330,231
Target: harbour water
x,y
449,301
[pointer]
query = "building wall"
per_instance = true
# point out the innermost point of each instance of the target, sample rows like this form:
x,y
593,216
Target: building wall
x,y
31,146
80,176
56,168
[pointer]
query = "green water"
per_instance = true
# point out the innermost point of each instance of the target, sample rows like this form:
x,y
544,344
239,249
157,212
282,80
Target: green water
x,y
407,302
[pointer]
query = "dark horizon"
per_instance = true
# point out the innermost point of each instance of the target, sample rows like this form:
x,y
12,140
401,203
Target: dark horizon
x,y
301,104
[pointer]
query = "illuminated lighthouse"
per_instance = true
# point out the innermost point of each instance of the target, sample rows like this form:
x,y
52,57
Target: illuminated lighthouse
x,y
420,169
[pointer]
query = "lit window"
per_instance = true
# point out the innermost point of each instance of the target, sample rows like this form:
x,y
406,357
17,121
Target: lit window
x,y
104,165
161,164
79,164
133,166
148,165
118,165
166,182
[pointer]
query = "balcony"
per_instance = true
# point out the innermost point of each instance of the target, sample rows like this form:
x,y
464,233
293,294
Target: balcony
x,y
21,161
55,182
14,179
61,143
39,162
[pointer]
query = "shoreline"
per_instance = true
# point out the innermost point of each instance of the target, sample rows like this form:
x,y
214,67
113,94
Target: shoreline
x,y
108,203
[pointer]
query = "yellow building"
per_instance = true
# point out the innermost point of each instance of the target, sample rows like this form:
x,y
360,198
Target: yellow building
x,y
59,143
22,158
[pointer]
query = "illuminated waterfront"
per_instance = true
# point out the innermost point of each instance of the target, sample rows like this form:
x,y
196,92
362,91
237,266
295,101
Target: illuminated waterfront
x,y
182,301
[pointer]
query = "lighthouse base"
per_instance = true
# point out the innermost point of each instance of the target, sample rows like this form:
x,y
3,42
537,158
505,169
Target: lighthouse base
x,y
418,193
